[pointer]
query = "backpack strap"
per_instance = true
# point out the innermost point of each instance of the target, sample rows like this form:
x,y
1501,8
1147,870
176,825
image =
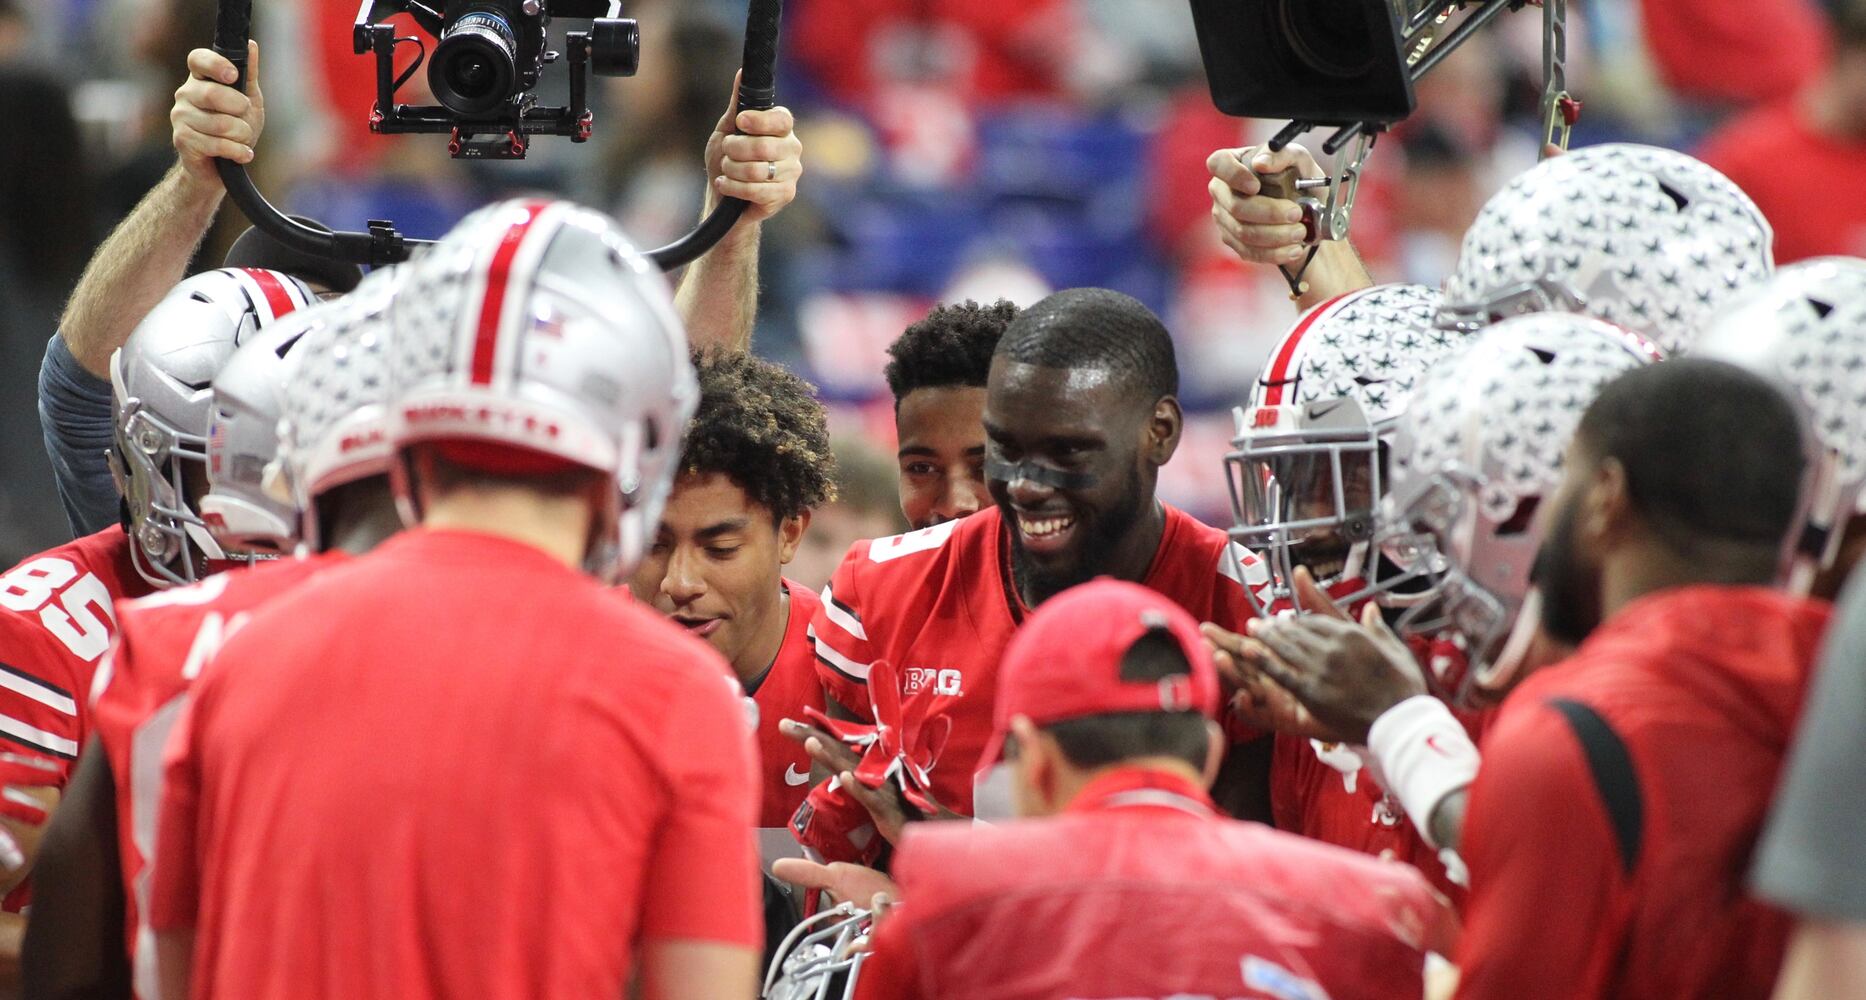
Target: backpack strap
x,y
1612,767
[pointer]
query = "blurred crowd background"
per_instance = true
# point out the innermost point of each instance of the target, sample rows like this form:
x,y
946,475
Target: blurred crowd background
x,y
953,149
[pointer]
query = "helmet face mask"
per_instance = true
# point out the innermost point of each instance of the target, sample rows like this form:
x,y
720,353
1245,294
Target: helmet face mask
x,y
1308,466
817,952
151,462
1539,295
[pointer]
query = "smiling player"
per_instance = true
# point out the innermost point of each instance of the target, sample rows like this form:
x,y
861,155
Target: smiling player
x,y
1081,410
757,460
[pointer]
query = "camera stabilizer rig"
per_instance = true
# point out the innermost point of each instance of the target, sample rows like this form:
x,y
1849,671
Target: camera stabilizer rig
x,y
1352,65
487,57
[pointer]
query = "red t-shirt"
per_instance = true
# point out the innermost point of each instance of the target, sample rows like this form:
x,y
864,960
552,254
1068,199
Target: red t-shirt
x,y
787,689
1702,686
454,767
936,604
57,616
162,643
1140,890
1796,176
990,50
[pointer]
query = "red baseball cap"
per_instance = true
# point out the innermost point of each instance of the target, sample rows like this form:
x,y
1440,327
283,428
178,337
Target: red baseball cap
x,y
1065,662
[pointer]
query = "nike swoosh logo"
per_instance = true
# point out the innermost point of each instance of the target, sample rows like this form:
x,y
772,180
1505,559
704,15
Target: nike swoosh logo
x,y
791,777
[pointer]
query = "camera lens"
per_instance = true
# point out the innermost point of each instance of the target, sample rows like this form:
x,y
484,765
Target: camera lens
x,y
475,66
1331,37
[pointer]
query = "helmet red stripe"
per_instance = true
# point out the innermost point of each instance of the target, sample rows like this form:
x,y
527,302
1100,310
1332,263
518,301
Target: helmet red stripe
x,y
1279,368
278,298
498,275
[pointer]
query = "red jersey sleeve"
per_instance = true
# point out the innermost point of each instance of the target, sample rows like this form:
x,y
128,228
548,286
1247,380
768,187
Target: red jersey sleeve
x,y
175,890
1546,883
701,878
843,652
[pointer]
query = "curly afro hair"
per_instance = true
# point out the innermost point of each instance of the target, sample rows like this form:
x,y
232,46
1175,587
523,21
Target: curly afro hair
x,y
761,426
952,346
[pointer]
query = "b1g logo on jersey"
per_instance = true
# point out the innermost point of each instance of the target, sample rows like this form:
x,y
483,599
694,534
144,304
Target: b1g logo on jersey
x,y
948,682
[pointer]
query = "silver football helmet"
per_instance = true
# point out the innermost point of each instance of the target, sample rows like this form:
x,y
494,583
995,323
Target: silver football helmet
x,y
1308,465
1645,238
537,327
336,404
243,438
1807,328
162,383
822,953
1479,449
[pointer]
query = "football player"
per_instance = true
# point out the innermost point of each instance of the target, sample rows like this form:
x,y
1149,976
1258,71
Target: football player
x,y
321,375
937,373
1080,413
1309,468
57,609
1105,710
1625,785
755,462
568,768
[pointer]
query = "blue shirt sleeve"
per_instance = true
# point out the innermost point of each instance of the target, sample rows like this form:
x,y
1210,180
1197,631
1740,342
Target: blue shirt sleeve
x,y
78,419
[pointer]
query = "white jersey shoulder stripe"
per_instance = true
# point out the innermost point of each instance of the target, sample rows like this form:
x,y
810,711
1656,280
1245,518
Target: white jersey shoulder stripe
x,y
39,739
924,540
844,617
31,687
843,665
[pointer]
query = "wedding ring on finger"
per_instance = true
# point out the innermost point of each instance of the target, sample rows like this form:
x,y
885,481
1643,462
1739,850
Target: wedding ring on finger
x,y
770,170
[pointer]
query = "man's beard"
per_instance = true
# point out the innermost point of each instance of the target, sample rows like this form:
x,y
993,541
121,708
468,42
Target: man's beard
x,y
1098,536
1570,593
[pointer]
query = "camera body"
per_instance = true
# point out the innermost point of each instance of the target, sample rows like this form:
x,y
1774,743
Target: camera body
x,y
486,58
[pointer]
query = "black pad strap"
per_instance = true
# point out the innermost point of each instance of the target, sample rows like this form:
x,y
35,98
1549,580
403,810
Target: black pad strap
x,y
1612,767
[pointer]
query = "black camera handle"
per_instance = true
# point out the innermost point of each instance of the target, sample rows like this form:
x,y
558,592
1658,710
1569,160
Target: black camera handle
x,y
382,244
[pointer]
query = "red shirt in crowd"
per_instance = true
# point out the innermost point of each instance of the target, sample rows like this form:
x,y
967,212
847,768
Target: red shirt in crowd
x,y
937,605
162,643
455,767
1802,180
1139,889
786,690
1701,685
990,50
57,617
1735,51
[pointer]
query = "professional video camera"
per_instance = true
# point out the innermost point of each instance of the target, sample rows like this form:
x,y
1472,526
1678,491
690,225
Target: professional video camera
x,y
487,56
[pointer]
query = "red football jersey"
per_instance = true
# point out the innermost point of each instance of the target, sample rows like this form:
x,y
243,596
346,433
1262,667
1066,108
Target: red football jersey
x,y
1699,688
936,604
1140,890
788,688
57,616
455,767
162,643
1321,791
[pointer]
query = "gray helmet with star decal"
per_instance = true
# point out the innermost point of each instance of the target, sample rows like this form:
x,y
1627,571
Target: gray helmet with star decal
x,y
1307,464
1477,452
1807,328
336,408
1646,238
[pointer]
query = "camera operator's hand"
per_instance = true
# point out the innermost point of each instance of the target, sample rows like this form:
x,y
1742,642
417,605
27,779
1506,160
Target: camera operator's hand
x,y
755,156
1258,228
1265,230
211,119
